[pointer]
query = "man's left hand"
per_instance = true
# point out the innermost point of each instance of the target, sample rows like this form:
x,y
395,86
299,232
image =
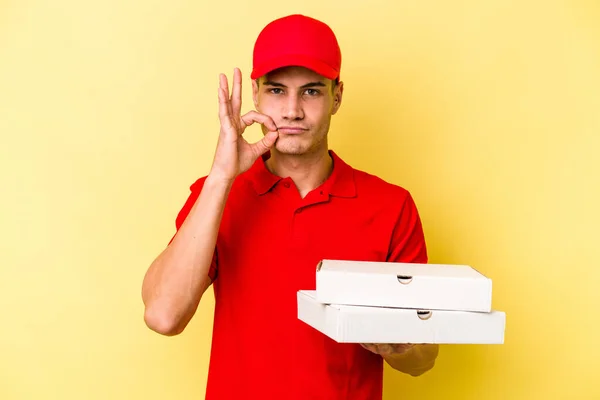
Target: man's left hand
x,y
386,350
413,359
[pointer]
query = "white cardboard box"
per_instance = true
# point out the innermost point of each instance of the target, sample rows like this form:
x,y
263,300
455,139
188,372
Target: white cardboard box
x,y
403,285
358,324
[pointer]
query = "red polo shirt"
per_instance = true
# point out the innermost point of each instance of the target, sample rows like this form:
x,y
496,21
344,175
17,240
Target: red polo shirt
x,y
269,244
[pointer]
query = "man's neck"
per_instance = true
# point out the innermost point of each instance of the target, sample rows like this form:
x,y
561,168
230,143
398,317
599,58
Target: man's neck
x,y
308,171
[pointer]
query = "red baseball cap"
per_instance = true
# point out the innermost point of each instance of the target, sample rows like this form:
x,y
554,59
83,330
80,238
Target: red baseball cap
x,y
297,40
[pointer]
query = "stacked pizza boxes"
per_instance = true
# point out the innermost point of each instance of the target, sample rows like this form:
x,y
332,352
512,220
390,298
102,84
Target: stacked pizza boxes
x,y
382,302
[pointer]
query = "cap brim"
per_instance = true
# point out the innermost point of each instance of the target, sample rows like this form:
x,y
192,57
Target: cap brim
x,y
294,60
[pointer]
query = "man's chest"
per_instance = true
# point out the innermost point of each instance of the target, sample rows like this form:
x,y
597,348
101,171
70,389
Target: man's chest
x,y
284,243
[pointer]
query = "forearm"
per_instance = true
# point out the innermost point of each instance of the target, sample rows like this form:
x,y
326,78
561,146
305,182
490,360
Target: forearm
x,y
416,361
176,280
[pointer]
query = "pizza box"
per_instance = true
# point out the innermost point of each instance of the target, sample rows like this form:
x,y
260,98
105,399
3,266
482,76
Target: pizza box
x,y
403,285
362,324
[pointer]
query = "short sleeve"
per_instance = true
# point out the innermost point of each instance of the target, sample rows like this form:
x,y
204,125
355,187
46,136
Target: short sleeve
x,y
195,190
408,240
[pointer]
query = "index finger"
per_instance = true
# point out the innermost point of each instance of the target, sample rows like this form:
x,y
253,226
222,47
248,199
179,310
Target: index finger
x,y
254,116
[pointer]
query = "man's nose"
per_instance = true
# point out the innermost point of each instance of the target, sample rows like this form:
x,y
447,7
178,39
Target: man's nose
x,y
293,108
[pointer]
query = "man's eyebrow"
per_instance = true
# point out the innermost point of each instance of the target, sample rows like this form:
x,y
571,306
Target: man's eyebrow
x,y
271,83
306,85
313,84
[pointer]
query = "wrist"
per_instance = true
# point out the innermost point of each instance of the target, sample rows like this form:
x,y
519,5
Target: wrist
x,y
218,180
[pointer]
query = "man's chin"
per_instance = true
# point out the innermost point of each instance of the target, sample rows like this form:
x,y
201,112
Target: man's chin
x,y
294,152
291,149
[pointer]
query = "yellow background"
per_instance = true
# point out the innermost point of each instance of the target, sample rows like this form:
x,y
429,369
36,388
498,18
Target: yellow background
x,y
487,111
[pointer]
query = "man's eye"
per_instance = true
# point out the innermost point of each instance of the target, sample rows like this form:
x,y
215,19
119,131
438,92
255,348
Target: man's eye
x,y
276,90
312,92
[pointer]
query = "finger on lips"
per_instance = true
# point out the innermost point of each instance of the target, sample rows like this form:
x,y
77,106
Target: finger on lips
x,y
232,105
263,119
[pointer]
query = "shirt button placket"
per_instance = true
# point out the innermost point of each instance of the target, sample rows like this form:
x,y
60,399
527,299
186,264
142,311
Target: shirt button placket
x,y
297,229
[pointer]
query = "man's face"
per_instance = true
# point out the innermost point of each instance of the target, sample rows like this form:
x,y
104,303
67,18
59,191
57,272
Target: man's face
x,y
301,102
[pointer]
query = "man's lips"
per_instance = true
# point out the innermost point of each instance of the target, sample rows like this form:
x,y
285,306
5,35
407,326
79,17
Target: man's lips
x,y
291,130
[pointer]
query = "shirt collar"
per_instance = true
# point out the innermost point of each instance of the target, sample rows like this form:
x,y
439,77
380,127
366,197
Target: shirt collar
x,y
339,183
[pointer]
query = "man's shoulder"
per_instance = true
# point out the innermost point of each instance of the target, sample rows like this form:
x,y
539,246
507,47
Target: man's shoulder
x,y
370,183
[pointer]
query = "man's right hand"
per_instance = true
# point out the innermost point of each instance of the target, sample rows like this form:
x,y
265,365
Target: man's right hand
x,y
234,154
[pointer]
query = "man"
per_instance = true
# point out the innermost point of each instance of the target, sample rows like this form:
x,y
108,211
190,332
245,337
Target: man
x,y
257,225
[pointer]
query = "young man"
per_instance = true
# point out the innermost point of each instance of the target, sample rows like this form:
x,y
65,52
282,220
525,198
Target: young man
x,y
257,225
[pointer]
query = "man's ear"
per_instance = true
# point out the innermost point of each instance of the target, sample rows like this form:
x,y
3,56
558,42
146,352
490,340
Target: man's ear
x,y
255,92
338,91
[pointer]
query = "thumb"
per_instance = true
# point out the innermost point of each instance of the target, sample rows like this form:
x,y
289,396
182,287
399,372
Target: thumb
x,y
266,142
270,138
